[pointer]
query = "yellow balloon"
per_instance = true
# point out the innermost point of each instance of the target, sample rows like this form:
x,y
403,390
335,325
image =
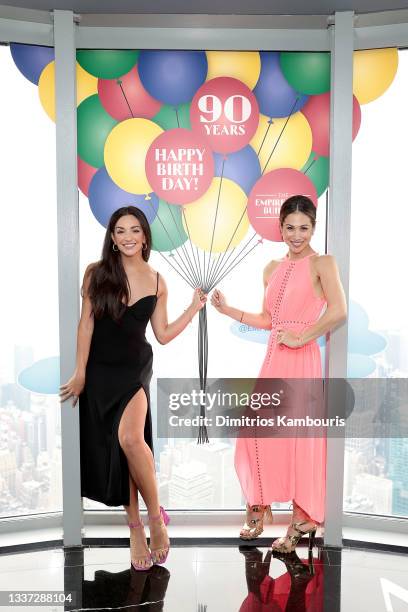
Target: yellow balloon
x,y
125,151
283,146
200,216
373,72
242,65
87,85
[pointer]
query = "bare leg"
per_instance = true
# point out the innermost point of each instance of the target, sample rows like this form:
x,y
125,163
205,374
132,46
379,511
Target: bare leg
x,y
139,551
141,463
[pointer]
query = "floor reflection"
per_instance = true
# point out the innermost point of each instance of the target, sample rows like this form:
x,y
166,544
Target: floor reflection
x,y
126,589
299,589
212,578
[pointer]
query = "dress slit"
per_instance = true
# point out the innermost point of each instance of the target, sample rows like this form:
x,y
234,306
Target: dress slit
x,y
119,467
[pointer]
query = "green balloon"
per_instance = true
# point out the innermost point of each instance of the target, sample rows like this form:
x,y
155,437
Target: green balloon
x,y
167,228
93,127
107,63
318,172
307,72
167,117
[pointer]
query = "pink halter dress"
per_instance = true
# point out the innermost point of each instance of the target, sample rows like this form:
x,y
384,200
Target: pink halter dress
x,y
282,469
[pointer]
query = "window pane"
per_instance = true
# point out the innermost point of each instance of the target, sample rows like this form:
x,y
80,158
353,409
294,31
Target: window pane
x,y
376,479
30,422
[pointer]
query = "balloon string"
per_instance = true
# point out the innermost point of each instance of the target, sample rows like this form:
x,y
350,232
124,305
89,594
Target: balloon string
x,y
227,267
239,261
179,273
265,135
185,269
308,168
280,135
215,219
196,262
178,121
214,262
192,250
202,366
119,82
219,263
182,245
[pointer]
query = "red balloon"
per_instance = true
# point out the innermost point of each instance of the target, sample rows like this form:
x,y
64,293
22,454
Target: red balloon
x,y
268,195
179,166
85,175
317,112
125,97
225,111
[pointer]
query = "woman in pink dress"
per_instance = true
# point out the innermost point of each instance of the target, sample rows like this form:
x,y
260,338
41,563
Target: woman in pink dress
x,y
297,289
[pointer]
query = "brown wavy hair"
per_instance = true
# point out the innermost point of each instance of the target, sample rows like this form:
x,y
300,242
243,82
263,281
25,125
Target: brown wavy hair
x,y
298,203
109,289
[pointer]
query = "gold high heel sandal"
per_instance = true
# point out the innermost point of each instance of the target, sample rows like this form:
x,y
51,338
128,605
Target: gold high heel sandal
x,y
253,526
288,543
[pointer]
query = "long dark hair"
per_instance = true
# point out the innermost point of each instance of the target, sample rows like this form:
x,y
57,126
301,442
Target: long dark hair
x,y
109,285
298,203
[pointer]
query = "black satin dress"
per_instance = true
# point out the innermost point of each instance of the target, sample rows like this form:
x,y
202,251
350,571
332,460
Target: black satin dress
x,y
119,364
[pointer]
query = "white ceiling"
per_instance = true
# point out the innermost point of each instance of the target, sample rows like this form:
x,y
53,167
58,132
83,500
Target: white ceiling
x,y
214,7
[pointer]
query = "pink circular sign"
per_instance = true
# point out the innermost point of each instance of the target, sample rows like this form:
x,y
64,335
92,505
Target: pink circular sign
x,y
179,166
225,111
268,195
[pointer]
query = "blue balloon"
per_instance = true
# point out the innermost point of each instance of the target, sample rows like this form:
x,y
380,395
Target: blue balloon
x,y
42,376
361,339
105,197
241,166
31,59
172,77
276,98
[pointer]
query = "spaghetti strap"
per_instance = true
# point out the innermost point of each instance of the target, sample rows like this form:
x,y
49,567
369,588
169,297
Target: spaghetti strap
x,y
157,286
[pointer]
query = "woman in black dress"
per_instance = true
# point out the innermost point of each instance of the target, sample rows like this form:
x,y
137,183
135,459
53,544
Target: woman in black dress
x,y
120,294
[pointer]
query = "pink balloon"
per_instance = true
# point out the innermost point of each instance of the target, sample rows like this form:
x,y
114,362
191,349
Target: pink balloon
x,y
317,112
85,175
179,166
225,111
125,97
268,195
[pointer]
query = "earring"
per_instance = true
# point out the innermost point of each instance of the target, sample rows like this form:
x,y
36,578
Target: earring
x,y
144,247
113,247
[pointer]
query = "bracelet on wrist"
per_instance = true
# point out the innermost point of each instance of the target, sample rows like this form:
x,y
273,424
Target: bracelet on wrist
x,y
242,316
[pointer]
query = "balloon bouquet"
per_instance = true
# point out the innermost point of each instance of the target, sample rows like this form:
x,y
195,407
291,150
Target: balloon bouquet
x,y
205,143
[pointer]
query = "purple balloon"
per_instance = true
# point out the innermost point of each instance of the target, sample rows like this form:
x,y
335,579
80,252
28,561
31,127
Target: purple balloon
x,y
241,166
105,197
276,98
31,59
172,77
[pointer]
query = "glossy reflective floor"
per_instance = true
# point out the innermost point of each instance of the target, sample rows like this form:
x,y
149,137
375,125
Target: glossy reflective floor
x,y
214,579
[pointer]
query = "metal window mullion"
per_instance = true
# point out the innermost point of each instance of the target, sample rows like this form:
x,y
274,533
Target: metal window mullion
x,y
68,262
338,240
